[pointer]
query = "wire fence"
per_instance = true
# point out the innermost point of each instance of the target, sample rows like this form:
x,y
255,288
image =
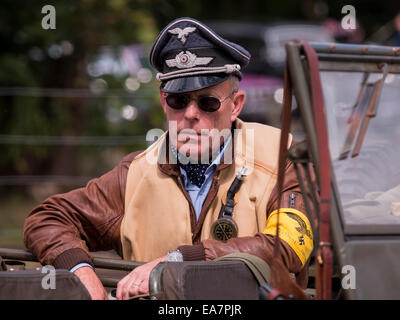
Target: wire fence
x,y
35,180
24,180
71,140
70,93
40,140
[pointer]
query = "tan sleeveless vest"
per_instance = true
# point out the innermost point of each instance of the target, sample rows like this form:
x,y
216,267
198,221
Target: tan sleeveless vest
x,y
157,214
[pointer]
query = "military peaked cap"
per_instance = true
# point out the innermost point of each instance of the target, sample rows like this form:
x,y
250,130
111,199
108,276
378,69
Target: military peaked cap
x,y
189,55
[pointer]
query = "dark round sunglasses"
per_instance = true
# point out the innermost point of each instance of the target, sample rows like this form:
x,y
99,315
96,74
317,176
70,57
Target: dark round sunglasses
x,y
179,101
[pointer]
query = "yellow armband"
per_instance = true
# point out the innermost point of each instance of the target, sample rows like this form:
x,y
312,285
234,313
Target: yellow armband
x,y
294,228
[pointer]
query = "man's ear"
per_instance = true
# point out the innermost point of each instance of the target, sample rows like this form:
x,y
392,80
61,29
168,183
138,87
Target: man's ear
x,y
163,102
238,102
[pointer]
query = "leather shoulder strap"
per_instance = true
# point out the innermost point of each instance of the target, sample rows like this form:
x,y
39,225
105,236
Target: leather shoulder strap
x,y
285,128
324,253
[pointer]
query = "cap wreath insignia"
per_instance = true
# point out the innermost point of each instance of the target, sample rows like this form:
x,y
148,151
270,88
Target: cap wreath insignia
x,y
187,60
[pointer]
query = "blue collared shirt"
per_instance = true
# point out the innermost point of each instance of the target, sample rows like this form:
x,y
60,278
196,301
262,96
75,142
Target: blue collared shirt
x,y
199,194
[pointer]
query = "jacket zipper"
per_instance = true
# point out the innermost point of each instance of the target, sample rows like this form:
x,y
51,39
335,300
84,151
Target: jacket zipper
x,y
292,197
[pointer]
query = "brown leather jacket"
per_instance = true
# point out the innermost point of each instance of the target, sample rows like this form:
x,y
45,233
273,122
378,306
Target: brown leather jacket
x,y
65,227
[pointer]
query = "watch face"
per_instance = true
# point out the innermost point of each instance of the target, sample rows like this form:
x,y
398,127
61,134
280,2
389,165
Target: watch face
x,y
174,256
223,229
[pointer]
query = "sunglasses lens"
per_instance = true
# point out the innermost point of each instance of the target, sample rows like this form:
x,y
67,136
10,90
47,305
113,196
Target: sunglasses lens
x,y
180,101
209,104
177,101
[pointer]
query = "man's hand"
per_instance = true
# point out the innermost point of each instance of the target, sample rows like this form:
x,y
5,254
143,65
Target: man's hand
x,y
92,283
137,282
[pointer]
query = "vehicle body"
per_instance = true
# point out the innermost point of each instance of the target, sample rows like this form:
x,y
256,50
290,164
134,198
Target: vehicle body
x,y
360,91
360,87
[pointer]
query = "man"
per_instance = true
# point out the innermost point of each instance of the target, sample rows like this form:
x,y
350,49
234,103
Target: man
x,y
162,203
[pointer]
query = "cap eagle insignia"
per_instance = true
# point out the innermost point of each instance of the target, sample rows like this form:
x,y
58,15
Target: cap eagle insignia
x,y
182,33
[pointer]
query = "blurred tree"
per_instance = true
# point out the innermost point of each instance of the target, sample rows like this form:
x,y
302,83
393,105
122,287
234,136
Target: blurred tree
x,y
33,57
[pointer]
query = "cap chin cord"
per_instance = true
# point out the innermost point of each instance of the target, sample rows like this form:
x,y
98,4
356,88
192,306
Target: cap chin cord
x,y
228,68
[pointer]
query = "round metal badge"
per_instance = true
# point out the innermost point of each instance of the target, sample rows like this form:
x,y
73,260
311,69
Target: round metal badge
x,y
223,229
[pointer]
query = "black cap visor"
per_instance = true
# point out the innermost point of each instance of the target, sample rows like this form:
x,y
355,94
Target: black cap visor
x,y
187,84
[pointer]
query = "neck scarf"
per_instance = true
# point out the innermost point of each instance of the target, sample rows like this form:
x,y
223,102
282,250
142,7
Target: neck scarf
x,y
194,171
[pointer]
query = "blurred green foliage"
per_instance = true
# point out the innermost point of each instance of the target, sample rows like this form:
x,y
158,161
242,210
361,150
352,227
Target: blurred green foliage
x,y
26,61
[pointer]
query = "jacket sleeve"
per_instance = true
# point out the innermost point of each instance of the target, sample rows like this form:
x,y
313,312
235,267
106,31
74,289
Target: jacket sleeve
x,y
65,227
261,244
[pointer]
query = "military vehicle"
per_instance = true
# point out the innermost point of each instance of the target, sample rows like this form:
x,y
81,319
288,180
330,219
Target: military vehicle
x,y
348,98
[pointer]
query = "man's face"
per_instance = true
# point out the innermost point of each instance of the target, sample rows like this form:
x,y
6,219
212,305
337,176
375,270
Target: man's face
x,y
193,136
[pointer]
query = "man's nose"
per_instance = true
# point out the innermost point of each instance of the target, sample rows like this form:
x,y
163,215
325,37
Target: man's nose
x,y
192,110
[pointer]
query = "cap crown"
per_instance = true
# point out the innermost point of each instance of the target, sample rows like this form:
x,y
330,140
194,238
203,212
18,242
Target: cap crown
x,y
187,47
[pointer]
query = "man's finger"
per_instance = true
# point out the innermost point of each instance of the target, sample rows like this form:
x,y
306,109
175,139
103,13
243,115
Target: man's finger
x,y
133,288
123,284
144,288
121,287
119,290
133,291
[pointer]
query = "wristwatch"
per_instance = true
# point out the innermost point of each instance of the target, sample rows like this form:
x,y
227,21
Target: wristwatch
x,y
175,256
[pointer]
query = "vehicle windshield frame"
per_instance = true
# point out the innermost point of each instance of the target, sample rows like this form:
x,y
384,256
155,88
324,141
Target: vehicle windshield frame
x,y
348,59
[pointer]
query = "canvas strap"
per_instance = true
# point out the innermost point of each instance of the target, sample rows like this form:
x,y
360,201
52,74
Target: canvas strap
x,y
258,266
